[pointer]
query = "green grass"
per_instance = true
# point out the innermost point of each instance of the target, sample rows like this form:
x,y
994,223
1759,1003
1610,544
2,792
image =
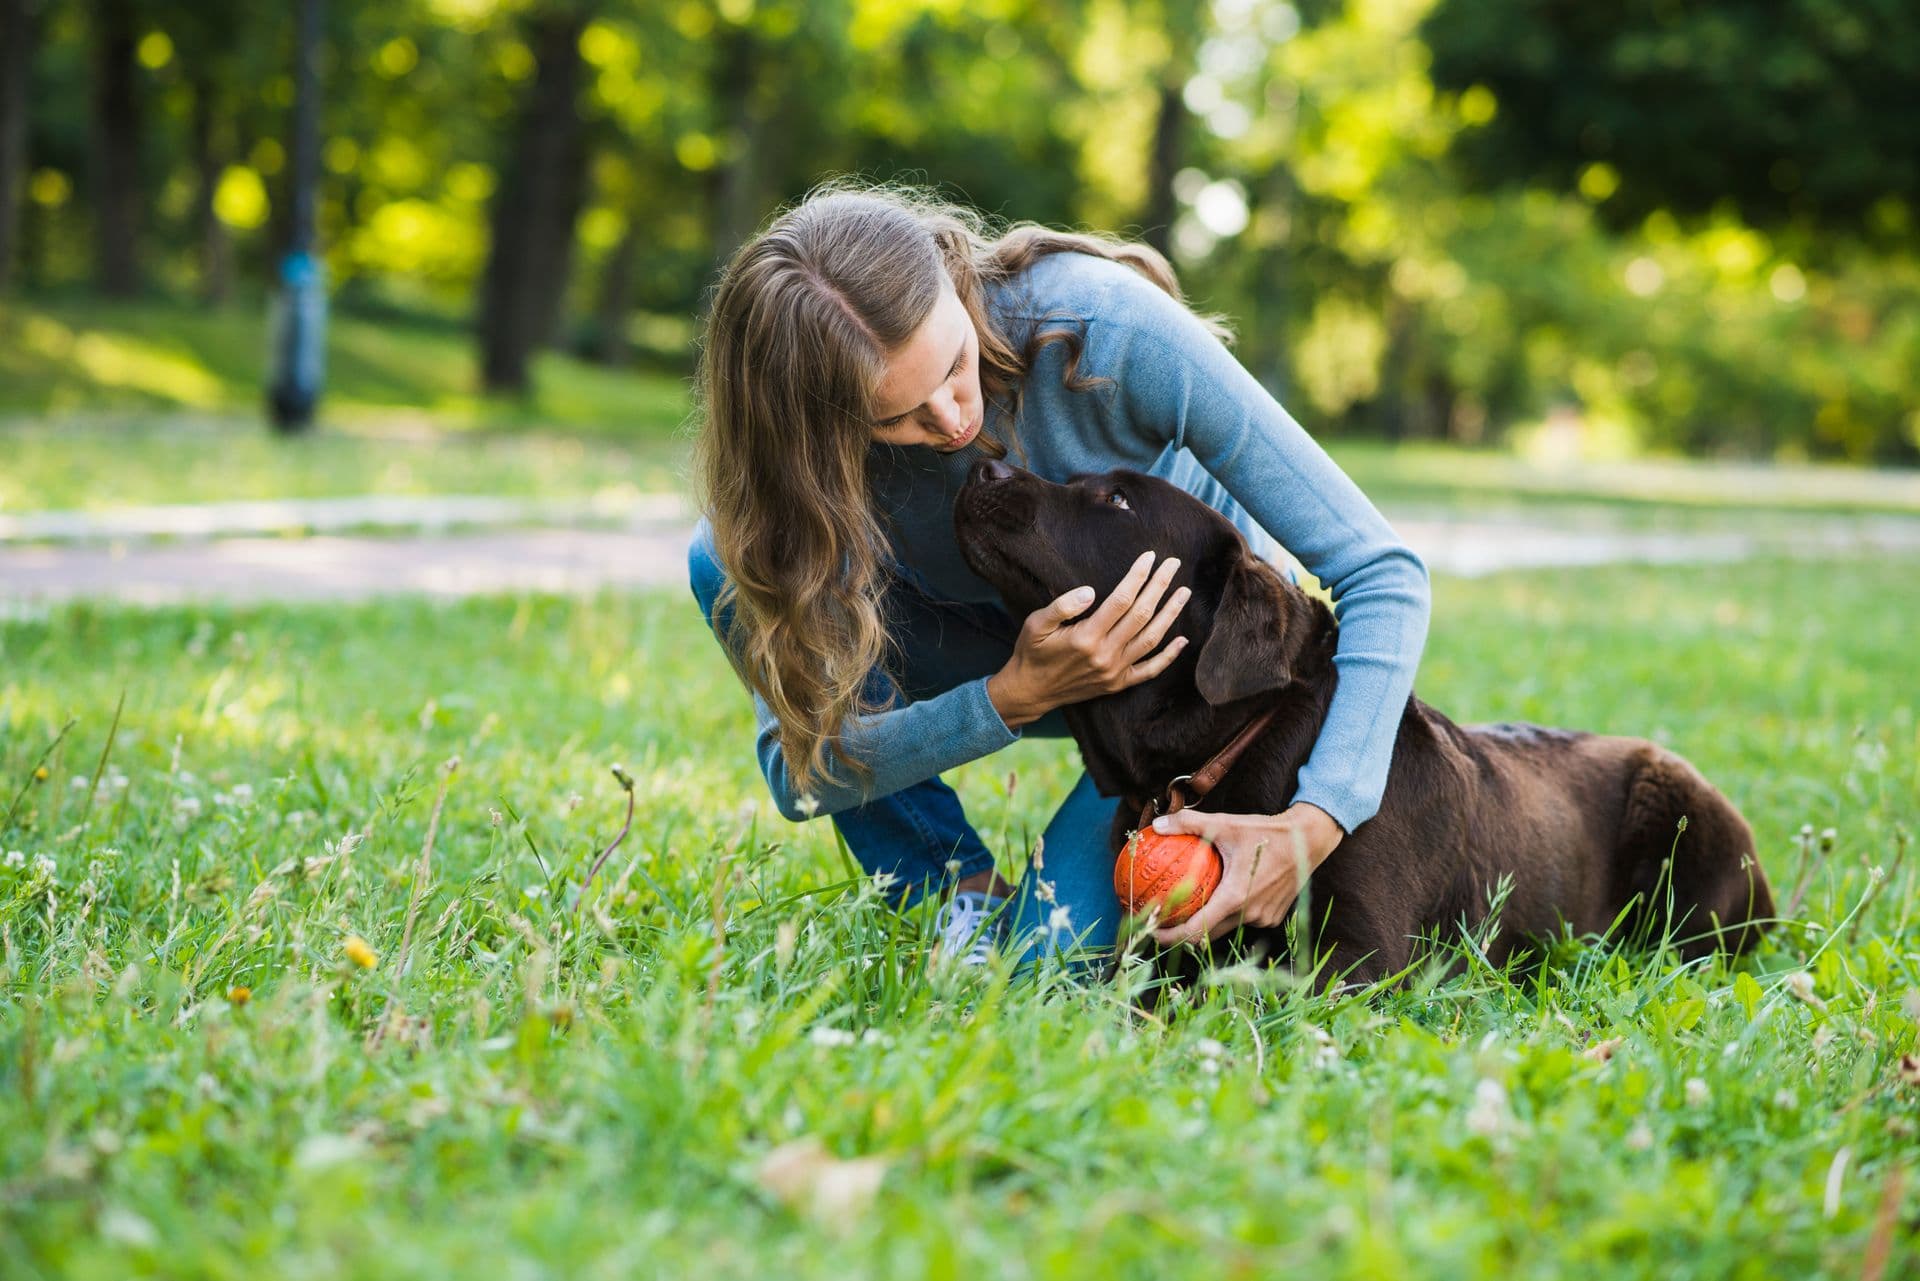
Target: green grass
x,y
1668,492
101,464
544,1093
60,357
103,404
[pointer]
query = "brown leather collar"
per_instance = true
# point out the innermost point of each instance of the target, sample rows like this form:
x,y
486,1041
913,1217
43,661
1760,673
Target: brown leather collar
x,y
1189,788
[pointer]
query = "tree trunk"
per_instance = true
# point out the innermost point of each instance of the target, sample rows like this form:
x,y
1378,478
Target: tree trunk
x,y
1169,133
16,65
616,297
733,187
542,188
216,245
114,150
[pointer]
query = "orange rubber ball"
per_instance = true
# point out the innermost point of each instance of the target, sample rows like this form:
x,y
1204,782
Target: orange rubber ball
x,y
1153,869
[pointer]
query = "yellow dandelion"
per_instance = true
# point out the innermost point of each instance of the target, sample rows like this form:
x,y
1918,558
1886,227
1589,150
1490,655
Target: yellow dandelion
x,y
359,953
239,995
41,774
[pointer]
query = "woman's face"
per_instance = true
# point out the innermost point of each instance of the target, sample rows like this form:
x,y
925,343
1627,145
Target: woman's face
x,y
930,394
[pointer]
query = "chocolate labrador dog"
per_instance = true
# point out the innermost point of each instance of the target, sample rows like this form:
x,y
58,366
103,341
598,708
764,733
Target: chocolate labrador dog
x,y
1594,830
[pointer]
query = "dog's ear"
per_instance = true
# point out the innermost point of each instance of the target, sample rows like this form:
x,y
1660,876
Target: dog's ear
x,y
1246,651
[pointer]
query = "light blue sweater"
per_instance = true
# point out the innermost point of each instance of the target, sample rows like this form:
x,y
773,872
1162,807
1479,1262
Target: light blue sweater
x,y
1181,407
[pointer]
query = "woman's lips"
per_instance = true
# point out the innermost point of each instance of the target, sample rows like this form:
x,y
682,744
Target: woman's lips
x,y
966,438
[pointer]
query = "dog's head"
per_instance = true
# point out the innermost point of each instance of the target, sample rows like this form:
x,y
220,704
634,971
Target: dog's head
x,y
1247,628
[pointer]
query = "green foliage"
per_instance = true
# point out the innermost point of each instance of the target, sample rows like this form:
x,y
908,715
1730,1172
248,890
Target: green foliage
x,y
594,1091
1689,227
1787,113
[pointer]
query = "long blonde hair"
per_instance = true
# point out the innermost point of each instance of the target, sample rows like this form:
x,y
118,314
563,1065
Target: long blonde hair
x,y
803,319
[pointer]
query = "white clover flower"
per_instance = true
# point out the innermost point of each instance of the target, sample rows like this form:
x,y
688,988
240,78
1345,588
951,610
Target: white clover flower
x,y
78,782
832,1038
874,1036
807,804
1488,1115
1210,1048
44,866
1640,1137
1698,1095
186,805
1786,1100
16,858
242,793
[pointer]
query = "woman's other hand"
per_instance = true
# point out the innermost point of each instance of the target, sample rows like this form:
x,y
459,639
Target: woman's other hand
x,y
1265,859
1058,660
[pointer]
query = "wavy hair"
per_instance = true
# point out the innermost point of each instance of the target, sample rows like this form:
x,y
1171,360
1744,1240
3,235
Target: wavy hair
x,y
803,318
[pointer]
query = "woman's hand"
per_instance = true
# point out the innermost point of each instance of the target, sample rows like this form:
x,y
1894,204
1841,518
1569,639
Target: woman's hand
x,y
1057,661
1265,858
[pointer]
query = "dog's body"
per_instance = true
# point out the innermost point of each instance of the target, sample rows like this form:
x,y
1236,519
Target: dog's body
x,y
1587,826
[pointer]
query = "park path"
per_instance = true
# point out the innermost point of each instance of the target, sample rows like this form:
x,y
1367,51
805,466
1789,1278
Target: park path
x,y
241,552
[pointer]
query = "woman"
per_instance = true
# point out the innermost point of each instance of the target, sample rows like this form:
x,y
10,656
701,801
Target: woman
x,y
861,353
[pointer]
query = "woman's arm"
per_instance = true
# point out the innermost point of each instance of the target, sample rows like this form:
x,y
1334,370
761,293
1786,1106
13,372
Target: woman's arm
x,y
904,745
1056,660
1180,384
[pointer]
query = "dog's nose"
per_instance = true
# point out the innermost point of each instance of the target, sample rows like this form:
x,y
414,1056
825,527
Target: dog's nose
x,y
988,470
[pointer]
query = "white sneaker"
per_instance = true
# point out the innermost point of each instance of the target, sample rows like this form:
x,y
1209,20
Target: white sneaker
x,y
968,927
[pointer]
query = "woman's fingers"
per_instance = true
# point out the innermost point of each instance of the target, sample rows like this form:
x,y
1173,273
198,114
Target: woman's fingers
x,y
1058,612
1140,611
1121,598
1148,668
1147,637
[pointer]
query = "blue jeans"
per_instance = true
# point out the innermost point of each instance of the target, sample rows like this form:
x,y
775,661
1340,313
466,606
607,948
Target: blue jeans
x,y
920,834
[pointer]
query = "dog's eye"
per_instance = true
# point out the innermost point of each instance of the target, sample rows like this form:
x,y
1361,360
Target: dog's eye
x,y
1119,500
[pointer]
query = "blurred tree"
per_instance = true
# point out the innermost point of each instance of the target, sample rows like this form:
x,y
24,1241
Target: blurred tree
x,y
18,20
114,150
542,189
221,53
1183,23
1797,110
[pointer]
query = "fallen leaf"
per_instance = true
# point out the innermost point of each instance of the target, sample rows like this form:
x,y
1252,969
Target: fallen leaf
x,y
1601,1051
804,1176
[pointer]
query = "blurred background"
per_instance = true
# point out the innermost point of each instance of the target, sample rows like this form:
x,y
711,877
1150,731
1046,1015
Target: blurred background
x,y
1445,229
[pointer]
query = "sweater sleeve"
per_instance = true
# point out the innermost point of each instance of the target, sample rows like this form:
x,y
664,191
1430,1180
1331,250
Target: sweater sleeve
x,y
903,745
1179,384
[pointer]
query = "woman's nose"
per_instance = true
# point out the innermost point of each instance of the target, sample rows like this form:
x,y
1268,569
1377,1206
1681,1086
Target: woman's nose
x,y
946,410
